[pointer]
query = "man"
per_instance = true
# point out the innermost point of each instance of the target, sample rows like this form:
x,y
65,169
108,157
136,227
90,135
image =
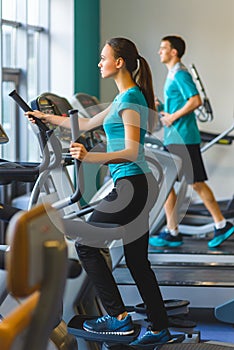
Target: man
x,y
182,137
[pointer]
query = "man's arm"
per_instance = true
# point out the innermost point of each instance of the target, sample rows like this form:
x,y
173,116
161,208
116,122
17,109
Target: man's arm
x,y
193,103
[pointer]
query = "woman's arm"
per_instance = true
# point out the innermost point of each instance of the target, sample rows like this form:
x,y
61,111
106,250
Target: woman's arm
x,y
85,124
131,120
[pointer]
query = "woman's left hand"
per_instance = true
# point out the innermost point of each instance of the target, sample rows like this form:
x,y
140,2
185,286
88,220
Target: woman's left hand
x,y
78,151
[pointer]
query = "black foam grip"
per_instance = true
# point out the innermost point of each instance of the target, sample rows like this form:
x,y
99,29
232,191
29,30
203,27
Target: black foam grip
x,y
74,268
6,212
2,259
25,107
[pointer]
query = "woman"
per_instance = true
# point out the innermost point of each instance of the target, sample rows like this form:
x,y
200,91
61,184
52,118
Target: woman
x,y
125,124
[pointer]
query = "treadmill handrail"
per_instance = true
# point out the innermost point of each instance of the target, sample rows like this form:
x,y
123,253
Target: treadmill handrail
x,y
216,139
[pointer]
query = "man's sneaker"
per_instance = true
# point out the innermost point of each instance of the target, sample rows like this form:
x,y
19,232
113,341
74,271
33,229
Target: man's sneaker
x,y
109,325
165,239
150,338
220,235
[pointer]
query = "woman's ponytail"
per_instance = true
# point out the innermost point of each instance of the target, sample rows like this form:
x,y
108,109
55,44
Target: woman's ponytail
x,y
143,78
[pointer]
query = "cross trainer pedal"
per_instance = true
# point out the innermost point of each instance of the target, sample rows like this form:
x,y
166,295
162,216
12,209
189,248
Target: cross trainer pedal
x,y
75,327
173,306
110,341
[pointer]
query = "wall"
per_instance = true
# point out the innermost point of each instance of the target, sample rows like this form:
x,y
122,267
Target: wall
x,y
208,29
86,45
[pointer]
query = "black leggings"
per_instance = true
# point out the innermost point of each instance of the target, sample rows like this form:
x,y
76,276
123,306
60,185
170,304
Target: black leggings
x,y
128,205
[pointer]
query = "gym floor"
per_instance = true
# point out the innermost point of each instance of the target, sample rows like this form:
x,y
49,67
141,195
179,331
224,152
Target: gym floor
x,y
210,328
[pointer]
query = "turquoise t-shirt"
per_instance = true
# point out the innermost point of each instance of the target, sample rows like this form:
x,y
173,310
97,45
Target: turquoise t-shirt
x,y
113,125
179,87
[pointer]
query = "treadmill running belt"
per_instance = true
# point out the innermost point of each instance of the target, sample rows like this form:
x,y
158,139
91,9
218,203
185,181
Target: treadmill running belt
x,y
195,346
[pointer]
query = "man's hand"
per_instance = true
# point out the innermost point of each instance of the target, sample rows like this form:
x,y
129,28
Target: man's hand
x,y
166,119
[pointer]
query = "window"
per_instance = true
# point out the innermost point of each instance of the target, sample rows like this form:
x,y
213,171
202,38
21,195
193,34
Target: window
x,y
25,67
9,119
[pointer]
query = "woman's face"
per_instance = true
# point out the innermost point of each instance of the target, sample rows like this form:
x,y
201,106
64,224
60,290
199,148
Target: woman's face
x,y
108,63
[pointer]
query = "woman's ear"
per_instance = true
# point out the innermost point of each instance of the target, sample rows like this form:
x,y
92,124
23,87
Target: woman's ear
x,y
120,62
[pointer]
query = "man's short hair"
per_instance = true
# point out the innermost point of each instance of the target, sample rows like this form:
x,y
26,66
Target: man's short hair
x,y
176,43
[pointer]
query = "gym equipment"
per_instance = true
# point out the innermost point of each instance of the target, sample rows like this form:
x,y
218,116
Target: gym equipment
x,y
109,341
195,272
225,312
72,326
200,346
26,108
171,305
75,272
86,104
204,113
17,172
54,104
89,106
75,325
166,172
79,225
51,163
191,271
37,252
197,219
58,185
194,218
51,103
22,171
3,136
177,311
84,290
193,268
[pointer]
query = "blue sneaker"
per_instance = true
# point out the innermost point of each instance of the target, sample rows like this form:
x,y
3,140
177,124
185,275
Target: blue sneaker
x,y
165,239
109,325
150,338
220,235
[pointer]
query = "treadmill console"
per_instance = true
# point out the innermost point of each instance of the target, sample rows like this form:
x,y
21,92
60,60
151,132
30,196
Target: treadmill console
x,y
87,105
50,103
